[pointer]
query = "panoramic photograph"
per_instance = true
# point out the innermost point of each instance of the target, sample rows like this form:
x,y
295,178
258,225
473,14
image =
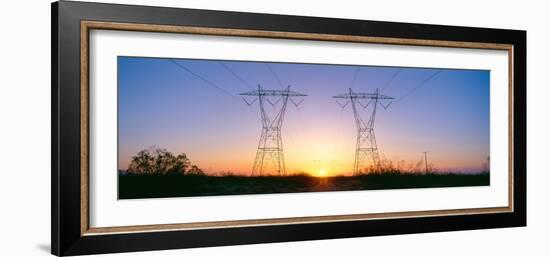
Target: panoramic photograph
x,y
194,127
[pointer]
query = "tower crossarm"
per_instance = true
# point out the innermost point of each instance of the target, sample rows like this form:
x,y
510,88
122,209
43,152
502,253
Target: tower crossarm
x,y
267,92
354,95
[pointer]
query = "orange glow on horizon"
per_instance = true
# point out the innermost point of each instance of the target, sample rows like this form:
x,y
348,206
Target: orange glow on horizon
x,y
322,172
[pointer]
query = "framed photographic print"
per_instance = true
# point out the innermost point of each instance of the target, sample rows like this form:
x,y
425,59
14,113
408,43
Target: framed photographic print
x,y
177,128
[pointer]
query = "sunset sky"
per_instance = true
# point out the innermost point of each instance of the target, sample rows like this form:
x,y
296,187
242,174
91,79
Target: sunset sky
x,y
164,105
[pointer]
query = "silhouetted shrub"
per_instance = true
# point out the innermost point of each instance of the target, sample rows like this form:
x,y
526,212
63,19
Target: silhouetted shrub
x,y
159,161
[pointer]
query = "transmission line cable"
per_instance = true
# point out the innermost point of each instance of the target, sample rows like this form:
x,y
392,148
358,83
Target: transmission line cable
x,y
211,84
354,77
390,80
274,75
203,79
418,86
235,75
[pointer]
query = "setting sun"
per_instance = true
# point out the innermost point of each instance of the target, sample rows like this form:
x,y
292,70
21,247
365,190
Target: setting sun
x,y
321,173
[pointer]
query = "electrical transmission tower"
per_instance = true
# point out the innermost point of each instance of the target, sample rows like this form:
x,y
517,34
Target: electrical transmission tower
x,y
270,147
366,150
426,161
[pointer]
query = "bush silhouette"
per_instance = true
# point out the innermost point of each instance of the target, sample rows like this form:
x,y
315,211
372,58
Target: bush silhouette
x,y
160,161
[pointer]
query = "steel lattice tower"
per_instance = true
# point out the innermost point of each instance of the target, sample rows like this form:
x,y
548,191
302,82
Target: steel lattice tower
x,y
366,150
270,147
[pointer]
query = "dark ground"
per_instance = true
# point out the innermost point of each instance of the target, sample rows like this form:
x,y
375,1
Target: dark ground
x,y
132,186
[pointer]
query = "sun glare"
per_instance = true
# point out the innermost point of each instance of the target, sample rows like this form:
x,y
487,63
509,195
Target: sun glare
x,y
321,173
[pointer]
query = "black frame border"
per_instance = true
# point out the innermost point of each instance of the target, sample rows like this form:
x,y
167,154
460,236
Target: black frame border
x,y
66,238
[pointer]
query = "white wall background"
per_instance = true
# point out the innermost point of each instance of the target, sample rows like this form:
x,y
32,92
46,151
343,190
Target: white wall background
x,y
25,127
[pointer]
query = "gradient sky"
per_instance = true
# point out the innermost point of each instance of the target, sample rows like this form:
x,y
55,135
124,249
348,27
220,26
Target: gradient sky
x,y
162,104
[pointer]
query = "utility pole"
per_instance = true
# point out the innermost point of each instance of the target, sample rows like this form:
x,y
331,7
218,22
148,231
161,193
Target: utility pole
x,y
270,147
366,149
426,160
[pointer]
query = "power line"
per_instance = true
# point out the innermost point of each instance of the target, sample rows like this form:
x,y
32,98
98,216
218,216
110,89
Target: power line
x,y
203,79
354,77
418,86
235,75
390,80
211,84
274,75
